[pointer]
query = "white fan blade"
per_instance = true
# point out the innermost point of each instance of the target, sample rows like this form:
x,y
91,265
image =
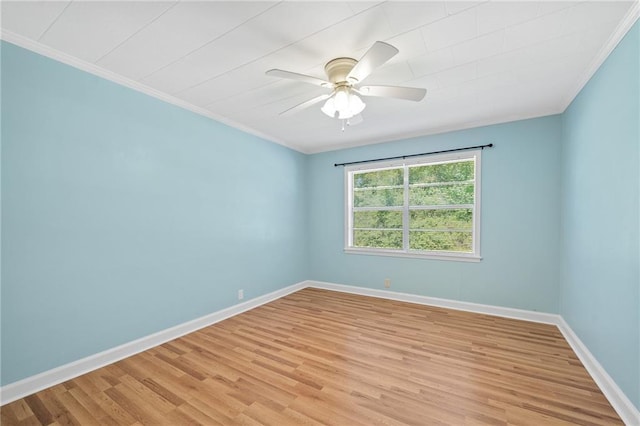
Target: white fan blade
x,y
408,93
299,77
355,120
377,55
305,104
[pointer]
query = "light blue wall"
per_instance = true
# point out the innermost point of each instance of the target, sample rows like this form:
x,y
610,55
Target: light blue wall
x,y
123,215
520,220
600,291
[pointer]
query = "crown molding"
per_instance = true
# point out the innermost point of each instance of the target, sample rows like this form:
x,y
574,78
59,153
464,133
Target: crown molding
x,y
94,69
435,131
623,28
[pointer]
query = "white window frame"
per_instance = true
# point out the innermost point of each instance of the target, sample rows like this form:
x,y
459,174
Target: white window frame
x,y
473,256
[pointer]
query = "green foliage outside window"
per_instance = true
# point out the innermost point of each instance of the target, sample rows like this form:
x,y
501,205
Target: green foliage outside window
x,y
446,230
378,239
441,195
389,177
441,220
445,172
377,219
440,241
378,197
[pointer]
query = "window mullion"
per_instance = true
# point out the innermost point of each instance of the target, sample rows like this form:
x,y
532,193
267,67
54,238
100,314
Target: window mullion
x,y
405,211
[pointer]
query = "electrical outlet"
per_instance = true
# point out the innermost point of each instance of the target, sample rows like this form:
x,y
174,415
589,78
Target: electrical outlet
x,y
240,294
387,282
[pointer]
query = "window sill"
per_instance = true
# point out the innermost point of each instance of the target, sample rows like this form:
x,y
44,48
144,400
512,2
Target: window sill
x,y
434,256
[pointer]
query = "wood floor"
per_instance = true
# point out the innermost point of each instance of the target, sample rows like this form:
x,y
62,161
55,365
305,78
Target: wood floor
x,y
321,357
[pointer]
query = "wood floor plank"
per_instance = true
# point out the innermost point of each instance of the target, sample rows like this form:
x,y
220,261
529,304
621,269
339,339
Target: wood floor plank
x,y
81,414
200,417
113,410
39,410
213,408
20,410
318,357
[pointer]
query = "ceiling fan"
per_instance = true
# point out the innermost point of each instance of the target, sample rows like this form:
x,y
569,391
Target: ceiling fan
x,y
344,78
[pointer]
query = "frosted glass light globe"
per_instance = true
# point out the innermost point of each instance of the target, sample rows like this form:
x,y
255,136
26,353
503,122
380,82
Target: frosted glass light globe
x,y
343,105
356,105
342,99
329,108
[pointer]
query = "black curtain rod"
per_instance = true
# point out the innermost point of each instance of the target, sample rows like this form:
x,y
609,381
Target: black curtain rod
x,y
414,155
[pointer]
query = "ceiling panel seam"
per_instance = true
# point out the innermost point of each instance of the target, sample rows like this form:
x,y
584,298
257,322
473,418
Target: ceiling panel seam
x,y
54,21
208,43
137,32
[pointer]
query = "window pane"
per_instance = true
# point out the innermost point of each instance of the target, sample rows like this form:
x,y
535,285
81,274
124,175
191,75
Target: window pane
x,y
441,241
388,177
378,197
378,239
441,195
377,219
441,220
448,172
441,230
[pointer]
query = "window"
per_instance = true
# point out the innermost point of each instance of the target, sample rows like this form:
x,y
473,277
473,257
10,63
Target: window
x,y
421,207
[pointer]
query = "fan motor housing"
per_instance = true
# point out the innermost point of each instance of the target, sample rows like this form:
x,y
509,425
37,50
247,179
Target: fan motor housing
x,y
338,69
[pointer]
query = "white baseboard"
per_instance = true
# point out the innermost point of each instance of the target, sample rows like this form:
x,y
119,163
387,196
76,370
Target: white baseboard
x,y
623,406
38,382
619,401
442,303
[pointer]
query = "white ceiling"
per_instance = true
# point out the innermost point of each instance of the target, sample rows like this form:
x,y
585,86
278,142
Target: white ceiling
x,y
482,62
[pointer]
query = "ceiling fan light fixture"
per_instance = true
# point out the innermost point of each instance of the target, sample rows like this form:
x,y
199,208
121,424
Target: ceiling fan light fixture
x,y
344,76
341,99
329,108
356,105
343,105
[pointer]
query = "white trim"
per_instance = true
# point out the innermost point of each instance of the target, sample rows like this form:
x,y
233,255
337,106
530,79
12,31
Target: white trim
x,y
348,207
623,406
477,209
94,69
449,128
478,308
619,401
46,379
458,257
625,25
